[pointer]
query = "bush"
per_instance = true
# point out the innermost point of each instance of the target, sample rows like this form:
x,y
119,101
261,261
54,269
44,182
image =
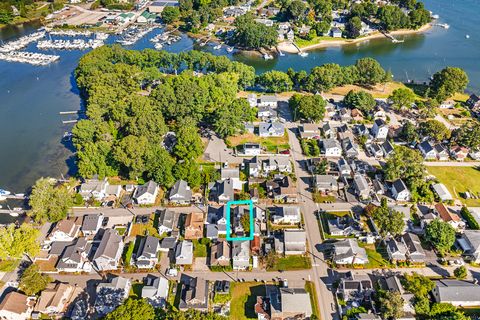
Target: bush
x,y
129,253
467,215
460,272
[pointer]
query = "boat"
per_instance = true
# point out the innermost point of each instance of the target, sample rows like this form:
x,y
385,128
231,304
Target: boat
x,y
467,36
303,54
435,16
4,192
229,49
267,56
158,46
218,47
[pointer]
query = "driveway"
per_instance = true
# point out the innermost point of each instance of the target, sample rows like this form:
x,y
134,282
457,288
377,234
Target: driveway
x,y
217,151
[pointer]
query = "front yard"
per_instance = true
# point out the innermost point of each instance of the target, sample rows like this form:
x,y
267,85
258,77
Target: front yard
x,y
293,262
271,144
244,297
376,256
459,180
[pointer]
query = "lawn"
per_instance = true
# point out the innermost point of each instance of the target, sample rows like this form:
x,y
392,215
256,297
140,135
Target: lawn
x,y
378,91
319,198
294,262
459,180
140,229
271,144
310,288
136,289
376,256
244,297
199,249
302,43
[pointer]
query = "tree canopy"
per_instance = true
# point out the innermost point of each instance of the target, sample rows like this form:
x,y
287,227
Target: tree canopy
x,y
447,82
361,100
253,35
391,304
275,81
405,163
441,235
468,135
15,242
309,108
49,202
32,281
389,221
402,98
434,129
132,309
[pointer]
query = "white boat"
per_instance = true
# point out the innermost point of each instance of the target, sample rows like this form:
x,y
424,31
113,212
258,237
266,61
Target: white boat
x,y
218,47
435,16
467,36
13,214
267,56
4,192
303,54
229,49
158,46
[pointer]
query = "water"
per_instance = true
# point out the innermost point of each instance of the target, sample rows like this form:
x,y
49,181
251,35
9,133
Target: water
x,y
31,97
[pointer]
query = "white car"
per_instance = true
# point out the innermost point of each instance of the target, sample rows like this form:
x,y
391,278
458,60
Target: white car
x,y
172,272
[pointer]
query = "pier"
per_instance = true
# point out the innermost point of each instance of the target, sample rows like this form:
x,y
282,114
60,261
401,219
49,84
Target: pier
x,y
71,112
29,57
69,121
394,40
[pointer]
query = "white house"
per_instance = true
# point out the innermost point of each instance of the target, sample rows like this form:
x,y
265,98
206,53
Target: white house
x,y
295,242
109,251
331,148
64,230
348,252
267,101
241,255
147,193
380,129
400,191
252,149
285,215
147,254
457,292
184,253
427,150
16,306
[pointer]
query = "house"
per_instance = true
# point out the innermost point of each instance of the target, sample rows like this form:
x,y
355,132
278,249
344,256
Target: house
x,y
108,254
222,191
234,175
378,187
92,223
350,148
194,226
344,168
357,115
180,193
167,244
271,129
415,254
94,188
252,100
288,303
241,255
64,230
474,154
345,114
459,153
147,18
442,192
54,299
155,290
280,163
111,294
267,101
442,153
325,183
473,103
459,293
362,188
387,148
194,294
375,150
254,167
74,257
358,288
184,252
166,221
348,252
216,223
449,217
220,254
267,22
447,104
16,306
285,215
328,130
295,241
252,149
146,256
380,129
427,150
392,283
146,193
400,191
309,131
470,244
335,33
397,250
331,148
266,113
282,189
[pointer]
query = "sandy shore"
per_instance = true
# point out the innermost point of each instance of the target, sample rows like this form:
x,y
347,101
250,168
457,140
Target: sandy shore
x,y
290,48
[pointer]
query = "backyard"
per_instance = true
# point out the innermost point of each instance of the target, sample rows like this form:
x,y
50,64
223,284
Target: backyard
x,y
244,297
271,144
459,180
377,256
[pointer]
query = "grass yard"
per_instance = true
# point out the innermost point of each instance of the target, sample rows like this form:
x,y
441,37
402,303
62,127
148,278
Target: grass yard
x,y
244,297
136,289
271,144
459,180
378,91
199,249
302,43
376,256
294,262
140,229
310,288
319,198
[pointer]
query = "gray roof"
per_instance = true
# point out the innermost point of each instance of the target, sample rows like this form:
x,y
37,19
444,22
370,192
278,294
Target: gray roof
x,y
180,191
148,187
268,98
230,173
330,143
361,183
348,248
425,146
225,188
399,185
325,181
295,300
166,218
277,128
90,221
457,291
109,245
442,191
148,247
72,255
168,243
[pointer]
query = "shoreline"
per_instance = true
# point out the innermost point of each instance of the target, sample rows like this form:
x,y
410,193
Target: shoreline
x,y
290,48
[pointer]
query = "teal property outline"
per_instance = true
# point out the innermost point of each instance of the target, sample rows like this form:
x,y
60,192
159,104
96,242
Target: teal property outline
x,y
252,226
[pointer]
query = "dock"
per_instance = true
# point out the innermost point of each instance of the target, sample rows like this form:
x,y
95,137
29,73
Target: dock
x,y
69,121
394,40
71,112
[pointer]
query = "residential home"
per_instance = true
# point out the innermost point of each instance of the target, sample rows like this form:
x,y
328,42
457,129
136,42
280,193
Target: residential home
x,y
267,22
340,226
94,188
328,130
447,104
459,293
474,154
155,290
108,254
111,294
362,188
252,100
470,244
380,129
375,150
194,226
252,149
442,192
392,283
427,150
184,253
449,217
473,103
64,230
345,114
92,223
290,35
348,252
271,129
285,215
220,254
378,187
266,113
267,101
194,294
416,254
325,183
222,191
335,33
180,193
241,255
344,168
295,241
350,148
16,306
400,191
166,221
358,288
75,257
288,303
397,250
357,115
147,193
331,148
167,244
146,256
282,189
459,153
280,163
216,223
442,153
387,148
54,300
255,244
309,131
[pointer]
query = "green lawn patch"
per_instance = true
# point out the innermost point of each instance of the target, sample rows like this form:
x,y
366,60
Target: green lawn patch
x,y
271,144
127,256
200,248
310,288
9,265
294,262
376,256
319,198
459,180
244,297
136,290
222,298
302,43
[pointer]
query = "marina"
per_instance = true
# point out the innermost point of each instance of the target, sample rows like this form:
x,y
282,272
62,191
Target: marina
x,y
70,33
131,35
76,44
33,58
22,42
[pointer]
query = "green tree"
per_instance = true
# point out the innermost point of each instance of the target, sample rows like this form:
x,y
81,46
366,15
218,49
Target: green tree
x,y
296,10
434,129
15,242
252,35
460,272
49,202
441,235
132,309
170,14
409,132
370,71
419,18
418,284
159,165
353,27
402,98
189,171
325,77
309,108
391,305
32,281
389,221
392,18
275,81
447,82
405,163
362,100
130,152
229,120
468,135
189,144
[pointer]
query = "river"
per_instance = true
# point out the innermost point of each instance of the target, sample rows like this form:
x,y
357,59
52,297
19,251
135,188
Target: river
x,y
31,97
